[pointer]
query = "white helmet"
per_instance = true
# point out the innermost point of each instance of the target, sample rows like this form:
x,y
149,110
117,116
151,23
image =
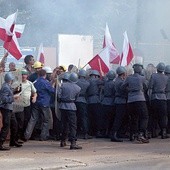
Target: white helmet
x,y
48,69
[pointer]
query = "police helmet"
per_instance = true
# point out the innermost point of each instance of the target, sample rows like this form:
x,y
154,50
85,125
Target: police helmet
x,y
111,75
161,67
120,70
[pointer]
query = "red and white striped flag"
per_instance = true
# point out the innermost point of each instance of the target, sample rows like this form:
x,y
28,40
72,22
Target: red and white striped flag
x,y
41,57
127,54
114,54
101,61
19,29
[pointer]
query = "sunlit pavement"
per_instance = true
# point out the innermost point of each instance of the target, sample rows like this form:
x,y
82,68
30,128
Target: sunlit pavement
x,y
96,154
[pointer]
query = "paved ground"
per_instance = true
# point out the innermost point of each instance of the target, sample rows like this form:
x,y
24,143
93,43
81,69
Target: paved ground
x,y
97,154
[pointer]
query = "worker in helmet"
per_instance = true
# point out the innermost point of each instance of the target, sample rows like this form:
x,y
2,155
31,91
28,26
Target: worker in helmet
x,y
37,66
49,71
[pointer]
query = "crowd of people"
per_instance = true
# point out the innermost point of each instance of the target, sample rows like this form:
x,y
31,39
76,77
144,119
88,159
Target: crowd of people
x,y
66,104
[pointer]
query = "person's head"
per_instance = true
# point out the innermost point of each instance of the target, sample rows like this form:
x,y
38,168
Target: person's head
x,y
73,78
42,73
12,66
111,75
62,69
70,67
29,60
121,71
37,66
24,73
65,76
9,77
167,69
82,73
160,67
49,71
137,68
94,74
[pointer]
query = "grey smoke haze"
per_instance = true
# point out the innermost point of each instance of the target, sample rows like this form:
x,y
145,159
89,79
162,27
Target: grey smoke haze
x,y
146,22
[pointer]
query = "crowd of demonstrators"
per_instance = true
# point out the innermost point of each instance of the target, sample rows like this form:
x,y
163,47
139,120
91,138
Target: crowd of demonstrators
x,y
71,103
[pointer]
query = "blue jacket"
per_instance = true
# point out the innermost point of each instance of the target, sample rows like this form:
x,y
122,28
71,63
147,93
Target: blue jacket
x,y
6,97
44,92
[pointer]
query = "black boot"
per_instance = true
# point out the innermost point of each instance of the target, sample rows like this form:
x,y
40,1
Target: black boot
x,y
114,138
3,148
63,143
164,134
133,137
87,136
74,145
15,144
141,139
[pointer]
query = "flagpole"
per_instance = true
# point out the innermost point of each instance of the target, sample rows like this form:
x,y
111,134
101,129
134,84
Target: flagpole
x,y
84,66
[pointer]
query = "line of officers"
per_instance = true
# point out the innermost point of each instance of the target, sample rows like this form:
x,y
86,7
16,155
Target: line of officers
x,y
117,105
113,106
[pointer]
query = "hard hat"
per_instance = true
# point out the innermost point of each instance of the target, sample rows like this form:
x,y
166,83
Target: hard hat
x,y
73,77
38,64
8,77
120,70
65,76
48,69
82,73
167,69
161,67
63,68
111,75
24,71
95,72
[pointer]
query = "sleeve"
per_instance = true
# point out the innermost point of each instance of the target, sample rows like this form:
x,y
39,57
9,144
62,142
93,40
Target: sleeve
x,y
33,89
6,95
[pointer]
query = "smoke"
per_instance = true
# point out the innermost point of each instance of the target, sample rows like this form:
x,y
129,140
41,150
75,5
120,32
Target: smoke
x,y
45,19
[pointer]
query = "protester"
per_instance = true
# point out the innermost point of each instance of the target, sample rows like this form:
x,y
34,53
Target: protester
x,y
41,106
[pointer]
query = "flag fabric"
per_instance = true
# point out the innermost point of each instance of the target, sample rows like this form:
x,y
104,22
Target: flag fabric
x,y
41,57
7,27
13,47
19,29
101,61
10,24
2,29
127,54
114,54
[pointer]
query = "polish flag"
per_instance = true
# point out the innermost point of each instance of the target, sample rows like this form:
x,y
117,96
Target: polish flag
x,y
19,29
114,54
101,61
10,24
41,57
13,47
7,27
127,54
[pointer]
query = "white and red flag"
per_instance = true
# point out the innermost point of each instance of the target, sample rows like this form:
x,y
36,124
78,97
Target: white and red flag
x,y
114,54
9,26
13,47
19,29
127,54
41,57
8,36
101,61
